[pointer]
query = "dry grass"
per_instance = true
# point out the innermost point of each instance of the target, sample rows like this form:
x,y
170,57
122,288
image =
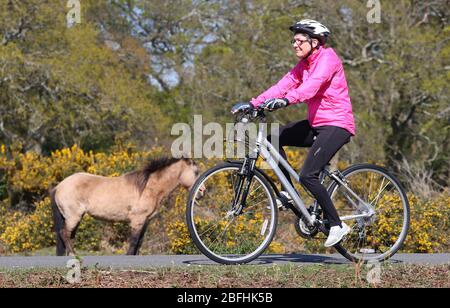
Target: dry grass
x,y
292,276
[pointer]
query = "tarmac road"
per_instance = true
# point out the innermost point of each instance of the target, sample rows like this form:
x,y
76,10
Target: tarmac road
x,y
139,262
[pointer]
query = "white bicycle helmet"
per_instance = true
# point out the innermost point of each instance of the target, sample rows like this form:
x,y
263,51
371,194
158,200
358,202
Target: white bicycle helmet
x,y
313,28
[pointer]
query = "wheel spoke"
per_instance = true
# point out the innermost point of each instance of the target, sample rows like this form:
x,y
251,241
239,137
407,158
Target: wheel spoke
x,y
380,191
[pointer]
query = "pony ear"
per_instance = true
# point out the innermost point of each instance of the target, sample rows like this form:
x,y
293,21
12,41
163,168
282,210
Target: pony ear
x,y
189,160
180,155
185,155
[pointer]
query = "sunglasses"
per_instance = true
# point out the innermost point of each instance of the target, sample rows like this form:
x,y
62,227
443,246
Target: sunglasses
x,y
298,42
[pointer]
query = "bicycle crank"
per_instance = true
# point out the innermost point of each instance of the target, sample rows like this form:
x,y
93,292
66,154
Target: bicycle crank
x,y
304,230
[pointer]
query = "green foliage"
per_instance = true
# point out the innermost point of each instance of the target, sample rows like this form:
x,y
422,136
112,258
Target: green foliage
x,y
63,85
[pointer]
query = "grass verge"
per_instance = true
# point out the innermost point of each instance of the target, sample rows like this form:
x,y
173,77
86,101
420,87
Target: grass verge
x,y
248,276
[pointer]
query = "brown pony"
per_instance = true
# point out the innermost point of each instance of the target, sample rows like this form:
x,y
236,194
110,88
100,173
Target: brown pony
x,y
133,197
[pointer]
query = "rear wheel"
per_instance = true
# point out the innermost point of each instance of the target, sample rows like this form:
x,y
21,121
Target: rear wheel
x,y
380,236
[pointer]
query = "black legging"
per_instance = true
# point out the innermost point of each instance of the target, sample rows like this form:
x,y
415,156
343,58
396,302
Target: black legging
x,y
324,141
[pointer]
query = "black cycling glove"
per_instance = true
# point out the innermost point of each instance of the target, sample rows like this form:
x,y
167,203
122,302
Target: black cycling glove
x,y
275,103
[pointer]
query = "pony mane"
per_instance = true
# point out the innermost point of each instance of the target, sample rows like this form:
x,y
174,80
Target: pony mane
x,y
140,177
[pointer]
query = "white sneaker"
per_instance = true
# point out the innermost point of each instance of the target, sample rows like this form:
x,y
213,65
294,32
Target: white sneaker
x,y
283,199
336,235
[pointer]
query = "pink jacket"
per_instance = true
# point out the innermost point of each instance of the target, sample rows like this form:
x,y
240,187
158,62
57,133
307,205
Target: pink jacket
x,y
320,82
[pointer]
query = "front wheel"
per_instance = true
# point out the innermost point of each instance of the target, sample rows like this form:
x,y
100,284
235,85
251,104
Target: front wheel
x,y
380,236
225,227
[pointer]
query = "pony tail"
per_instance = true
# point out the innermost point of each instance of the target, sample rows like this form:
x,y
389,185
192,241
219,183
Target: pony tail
x,y
58,220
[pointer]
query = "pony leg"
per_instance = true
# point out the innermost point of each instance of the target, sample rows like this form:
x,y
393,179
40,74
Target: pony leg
x,y
134,241
68,233
141,237
137,231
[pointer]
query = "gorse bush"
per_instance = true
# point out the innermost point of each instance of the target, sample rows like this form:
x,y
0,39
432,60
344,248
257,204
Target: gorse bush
x,y
29,227
430,225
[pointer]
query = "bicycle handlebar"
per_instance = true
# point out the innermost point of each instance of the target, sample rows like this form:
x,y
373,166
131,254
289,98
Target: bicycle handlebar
x,y
247,111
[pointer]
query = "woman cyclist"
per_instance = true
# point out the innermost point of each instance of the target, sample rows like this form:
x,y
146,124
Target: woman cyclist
x,y
318,80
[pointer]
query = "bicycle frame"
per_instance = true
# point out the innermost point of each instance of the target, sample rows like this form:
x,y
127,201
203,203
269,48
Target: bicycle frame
x,y
268,152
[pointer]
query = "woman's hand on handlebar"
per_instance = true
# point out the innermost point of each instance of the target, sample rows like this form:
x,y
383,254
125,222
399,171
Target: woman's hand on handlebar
x,y
242,108
275,103
247,110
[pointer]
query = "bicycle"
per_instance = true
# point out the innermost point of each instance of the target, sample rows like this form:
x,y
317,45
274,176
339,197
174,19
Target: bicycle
x,y
241,227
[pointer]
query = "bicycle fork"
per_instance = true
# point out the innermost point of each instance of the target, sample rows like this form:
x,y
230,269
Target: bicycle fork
x,y
242,186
